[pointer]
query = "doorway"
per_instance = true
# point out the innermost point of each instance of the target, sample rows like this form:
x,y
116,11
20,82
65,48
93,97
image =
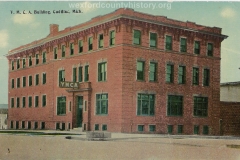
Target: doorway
x,y
79,111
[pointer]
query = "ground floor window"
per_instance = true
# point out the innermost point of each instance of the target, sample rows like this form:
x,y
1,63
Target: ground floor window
x,y
36,125
102,103
170,129
140,128
152,128
104,127
200,106
29,125
175,105
196,129
205,130
96,128
180,129
43,125
23,125
61,105
145,104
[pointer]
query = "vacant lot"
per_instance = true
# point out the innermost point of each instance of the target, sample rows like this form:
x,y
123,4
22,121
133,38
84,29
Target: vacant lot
x,y
56,147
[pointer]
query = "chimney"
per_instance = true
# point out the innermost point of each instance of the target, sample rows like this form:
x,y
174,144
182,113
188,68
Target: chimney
x,y
53,29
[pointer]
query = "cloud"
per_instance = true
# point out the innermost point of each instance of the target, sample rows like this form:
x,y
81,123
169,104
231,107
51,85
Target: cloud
x,y
228,13
3,38
23,19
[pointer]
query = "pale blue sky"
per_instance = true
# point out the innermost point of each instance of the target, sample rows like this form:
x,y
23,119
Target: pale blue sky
x,y
17,30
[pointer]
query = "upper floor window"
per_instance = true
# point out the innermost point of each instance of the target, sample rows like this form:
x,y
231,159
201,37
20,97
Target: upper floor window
x,y
37,79
181,74
153,40
23,62
102,103
112,38
12,83
140,70
100,41
86,74
170,73
44,100
12,65
74,75
37,59
71,48
80,46
36,101
80,74
18,82
206,77
197,47
102,71
200,106
195,76
23,102
18,102
152,71
44,78
29,101
24,81
210,49
30,61
90,43
30,81
55,53
168,41
18,63
137,37
12,102
44,57
183,47
63,50
145,105
61,75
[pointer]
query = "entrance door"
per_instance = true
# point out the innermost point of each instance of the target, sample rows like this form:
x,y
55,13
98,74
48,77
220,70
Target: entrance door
x,y
79,110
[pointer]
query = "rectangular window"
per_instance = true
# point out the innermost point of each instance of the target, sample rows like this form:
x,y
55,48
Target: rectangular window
x,y
153,72
57,126
90,43
100,41
112,38
210,49
153,40
30,102
12,65
63,50
80,46
102,104
29,125
181,75
183,47
197,47
195,76
170,129
104,127
196,129
18,63
102,71
71,49
80,74
30,81
145,106
140,70
152,128
24,81
23,125
12,83
170,73
11,125
61,105
12,102
55,53
175,105
44,100
206,77
44,78
137,37
23,102
37,59
37,79
74,74
140,128
24,63
200,106
86,74
61,75
96,127
35,125
17,124
205,130
44,57
43,125
18,82
30,61
36,101
180,129
18,102
168,41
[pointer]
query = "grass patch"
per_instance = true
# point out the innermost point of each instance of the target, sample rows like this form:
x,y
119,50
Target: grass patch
x,y
35,133
233,146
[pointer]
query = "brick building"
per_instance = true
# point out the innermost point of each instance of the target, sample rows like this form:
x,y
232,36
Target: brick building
x,y
125,71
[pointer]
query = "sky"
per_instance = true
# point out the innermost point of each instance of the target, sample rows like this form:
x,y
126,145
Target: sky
x,y
20,29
